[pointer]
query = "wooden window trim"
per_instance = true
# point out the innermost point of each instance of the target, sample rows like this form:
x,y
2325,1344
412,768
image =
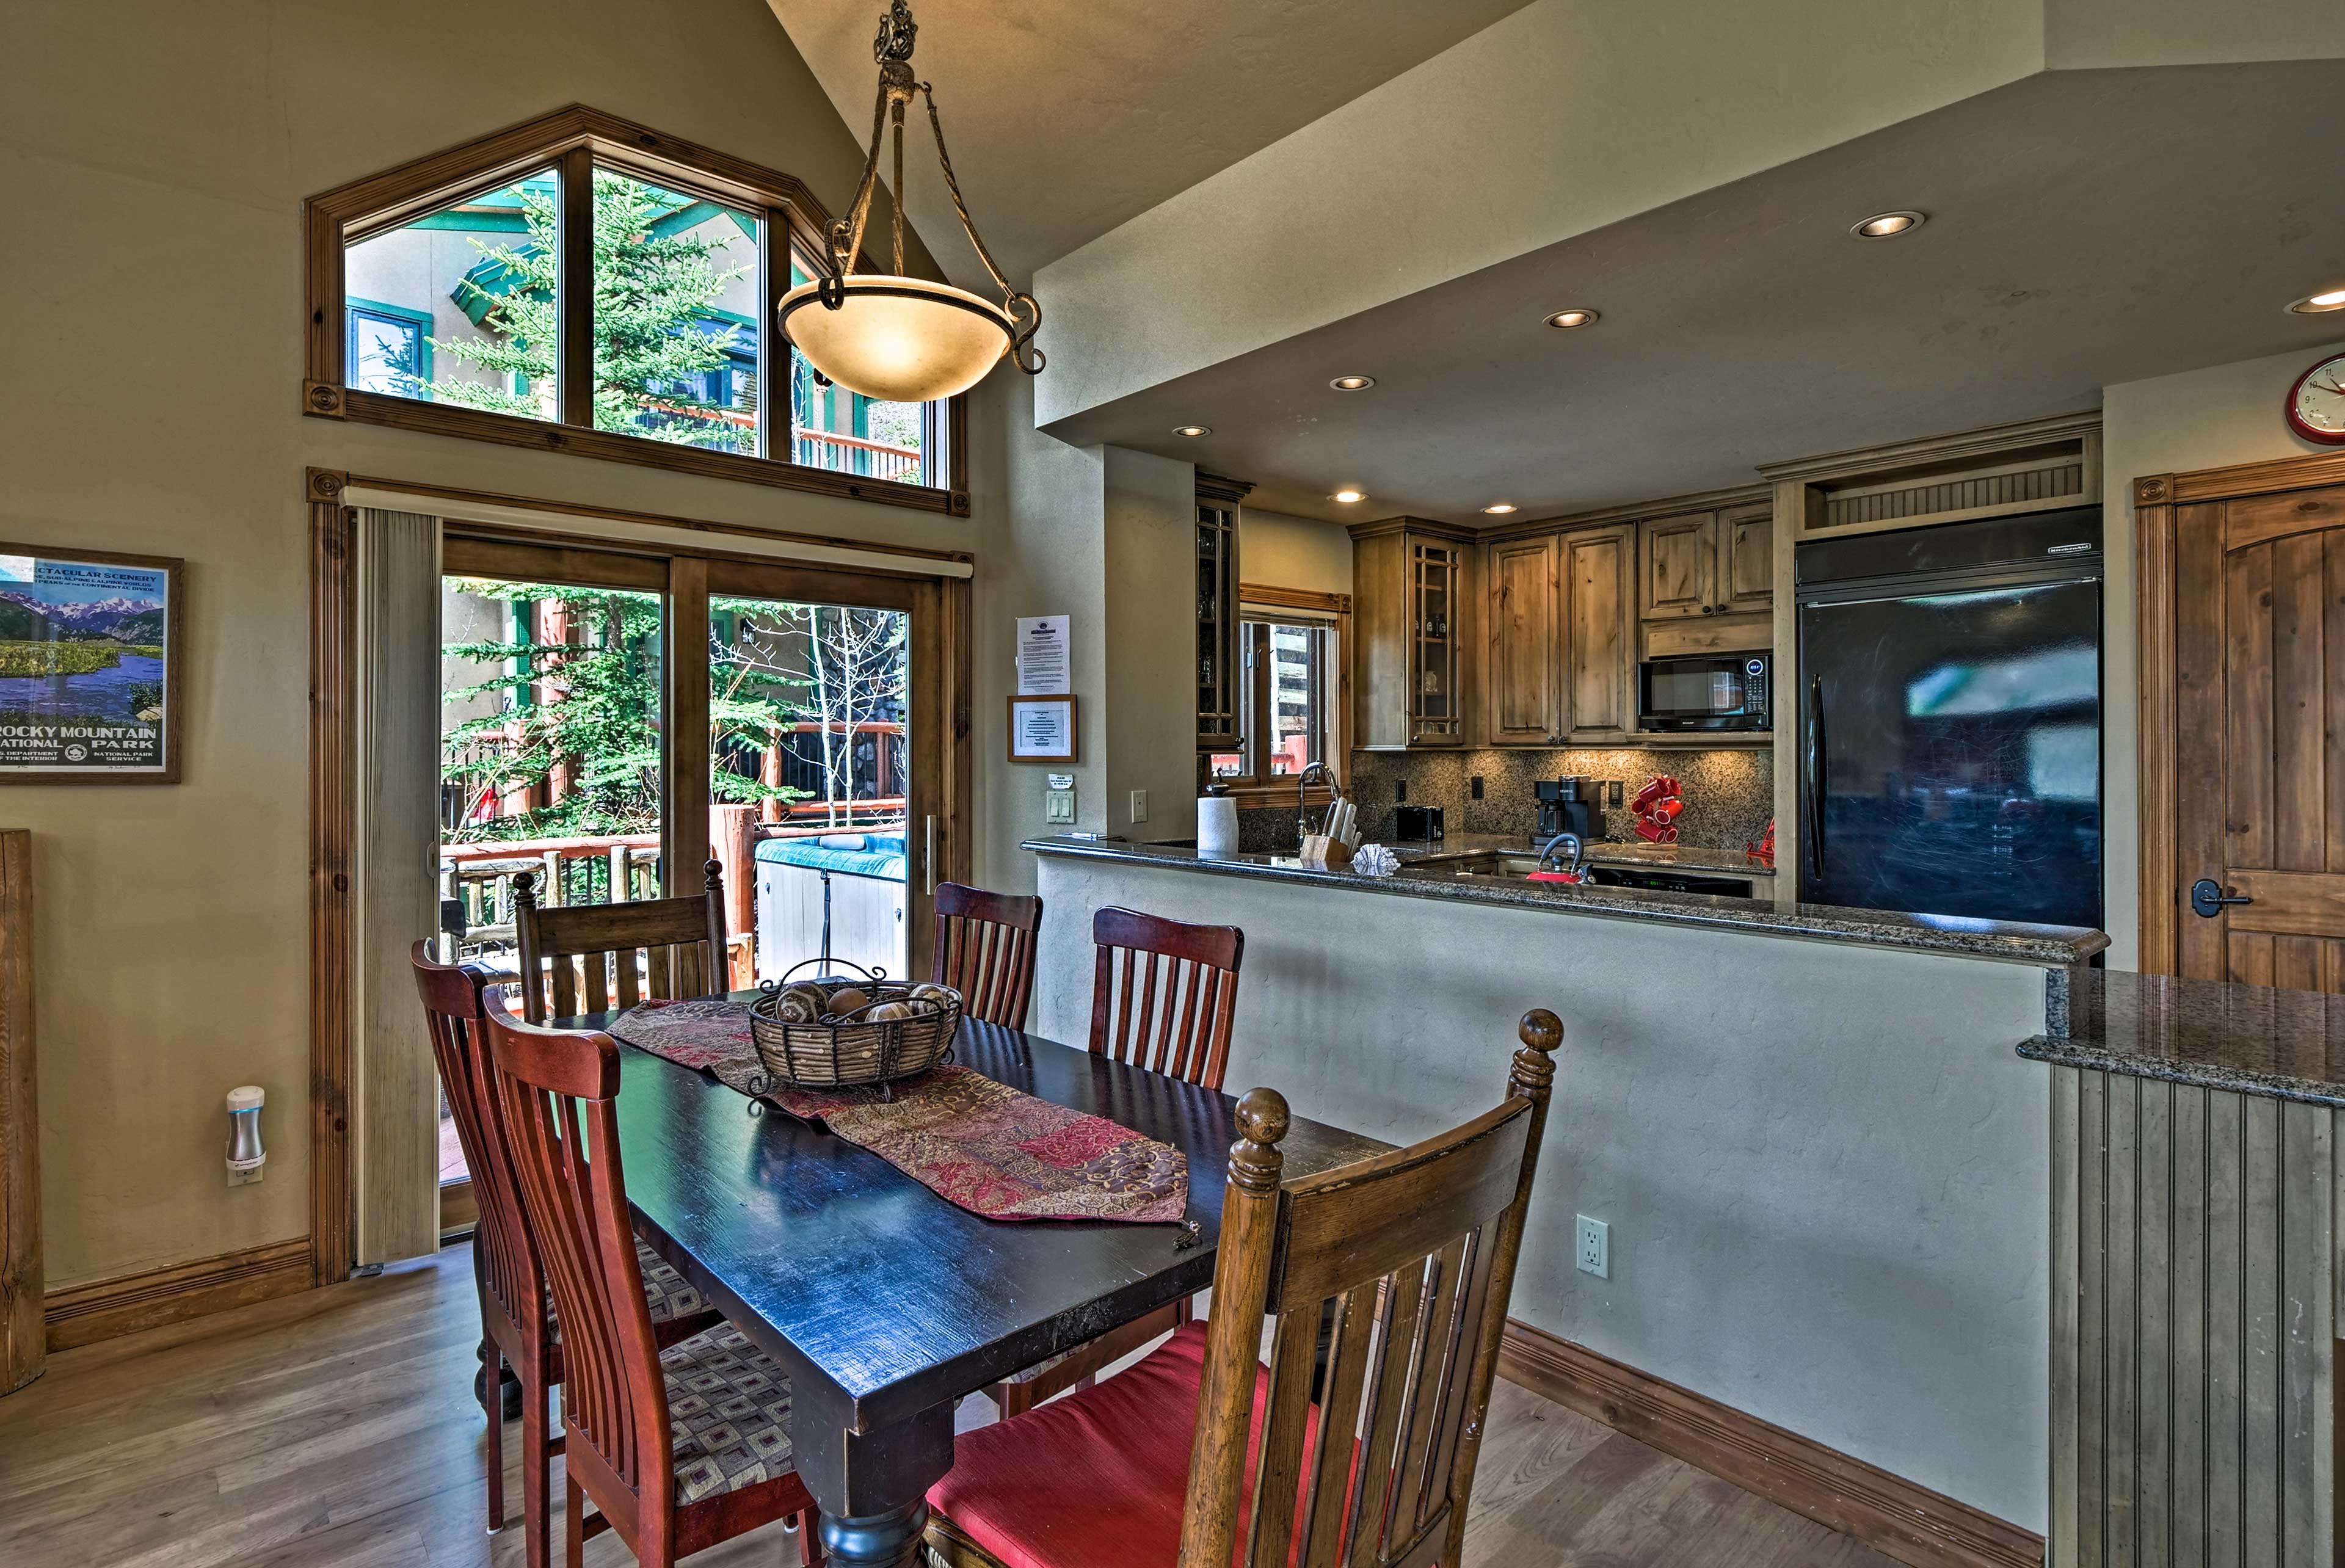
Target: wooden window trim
x,y
1252,793
576,139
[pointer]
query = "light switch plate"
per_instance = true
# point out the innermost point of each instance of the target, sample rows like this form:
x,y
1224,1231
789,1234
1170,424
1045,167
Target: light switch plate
x,y
1140,805
1059,808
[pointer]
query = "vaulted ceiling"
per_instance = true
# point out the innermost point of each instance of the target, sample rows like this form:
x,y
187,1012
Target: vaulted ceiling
x,y
1066,118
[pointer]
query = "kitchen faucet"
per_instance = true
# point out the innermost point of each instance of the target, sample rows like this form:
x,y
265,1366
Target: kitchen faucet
x,y
1303,796
1578,853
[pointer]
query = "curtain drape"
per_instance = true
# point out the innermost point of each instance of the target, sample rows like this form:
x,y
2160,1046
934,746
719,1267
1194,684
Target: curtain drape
x,y
395,1091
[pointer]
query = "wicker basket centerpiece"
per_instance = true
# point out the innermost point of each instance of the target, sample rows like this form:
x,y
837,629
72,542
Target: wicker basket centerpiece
x,y
838,1033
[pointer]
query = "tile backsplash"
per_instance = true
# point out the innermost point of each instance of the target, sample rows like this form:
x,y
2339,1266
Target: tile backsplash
x,y
1729,793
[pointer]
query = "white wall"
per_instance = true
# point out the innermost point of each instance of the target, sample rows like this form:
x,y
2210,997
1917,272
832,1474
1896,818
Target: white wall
x,y
1298,552
153,407
2212,418
1823,1165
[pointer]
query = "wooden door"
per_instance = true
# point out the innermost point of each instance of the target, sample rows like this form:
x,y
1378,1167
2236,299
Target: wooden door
x,y
1746,559
1598,651
1680,569
1523,665
2260,747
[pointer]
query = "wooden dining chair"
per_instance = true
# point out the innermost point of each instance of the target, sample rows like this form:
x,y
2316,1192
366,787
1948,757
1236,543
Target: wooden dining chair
x,y
590,957
1200,1457
1163,996
680,1446
1163,993
985,950
517,1328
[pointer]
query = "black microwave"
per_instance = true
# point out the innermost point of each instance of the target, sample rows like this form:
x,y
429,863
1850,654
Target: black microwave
x,y
1704,692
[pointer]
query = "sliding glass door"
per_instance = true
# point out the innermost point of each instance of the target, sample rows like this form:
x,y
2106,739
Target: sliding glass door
x,y
614,721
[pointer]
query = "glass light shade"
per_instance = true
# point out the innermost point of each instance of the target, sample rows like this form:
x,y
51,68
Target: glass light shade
x,y
898,340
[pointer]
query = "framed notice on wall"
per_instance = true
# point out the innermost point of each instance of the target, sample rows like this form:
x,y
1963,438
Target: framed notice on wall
x,y
89,667
1042,729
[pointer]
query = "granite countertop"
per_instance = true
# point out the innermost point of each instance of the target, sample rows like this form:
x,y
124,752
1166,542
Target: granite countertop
x,y
1663,856
2253,1039
2056,947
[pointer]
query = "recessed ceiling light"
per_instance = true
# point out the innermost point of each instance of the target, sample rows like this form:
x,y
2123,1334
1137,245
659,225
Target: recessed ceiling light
x,y
1499,508
1352,383
1192,429
2320,304
1348,496
1886,225
1564,320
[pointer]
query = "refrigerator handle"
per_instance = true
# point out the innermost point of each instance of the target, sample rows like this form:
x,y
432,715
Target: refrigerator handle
x,y
1815,780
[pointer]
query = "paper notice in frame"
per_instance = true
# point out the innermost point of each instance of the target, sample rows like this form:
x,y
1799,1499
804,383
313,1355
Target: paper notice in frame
x,y
88,666
1045,663
1042,729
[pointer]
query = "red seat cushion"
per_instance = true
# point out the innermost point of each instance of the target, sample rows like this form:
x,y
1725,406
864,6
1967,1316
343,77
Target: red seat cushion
x,y
1097,1477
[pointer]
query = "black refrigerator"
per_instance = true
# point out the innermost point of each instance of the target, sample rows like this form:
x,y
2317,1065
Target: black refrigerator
x,y
1950,719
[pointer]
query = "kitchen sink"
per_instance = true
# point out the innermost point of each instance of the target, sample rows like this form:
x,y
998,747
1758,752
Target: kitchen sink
x,y
1518,867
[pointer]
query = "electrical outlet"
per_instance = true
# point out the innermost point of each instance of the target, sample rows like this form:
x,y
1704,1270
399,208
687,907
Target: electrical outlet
x,y
1478,786
1618,791
245,1177
1595,1248
1140,805
1400,789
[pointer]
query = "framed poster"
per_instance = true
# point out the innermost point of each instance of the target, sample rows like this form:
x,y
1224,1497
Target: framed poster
x,y
89,666
1042,729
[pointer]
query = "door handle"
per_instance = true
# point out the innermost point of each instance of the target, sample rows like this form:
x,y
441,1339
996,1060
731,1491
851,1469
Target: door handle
x,y
1815,779
2207,898
928,859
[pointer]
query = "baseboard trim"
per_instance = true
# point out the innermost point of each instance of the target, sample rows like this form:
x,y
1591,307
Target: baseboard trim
x,y
85,1314
1887,1512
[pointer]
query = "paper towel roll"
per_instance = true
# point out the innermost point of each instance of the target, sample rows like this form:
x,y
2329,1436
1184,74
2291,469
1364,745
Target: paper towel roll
x,y
1217,826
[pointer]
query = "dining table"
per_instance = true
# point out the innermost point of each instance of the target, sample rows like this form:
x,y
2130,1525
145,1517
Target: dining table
x,y
885,1303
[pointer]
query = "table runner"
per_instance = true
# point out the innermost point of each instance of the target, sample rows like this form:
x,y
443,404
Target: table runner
x,y
980,1144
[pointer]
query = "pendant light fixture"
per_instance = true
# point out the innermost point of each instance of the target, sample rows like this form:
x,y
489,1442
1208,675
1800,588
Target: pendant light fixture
x,y
897,339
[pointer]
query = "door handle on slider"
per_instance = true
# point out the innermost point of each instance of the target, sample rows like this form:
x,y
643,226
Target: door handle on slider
x,y
2207,898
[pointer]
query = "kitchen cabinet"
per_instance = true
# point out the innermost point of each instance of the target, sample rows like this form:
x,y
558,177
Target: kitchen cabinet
x,y
1700,564
1561,643
1413,592
1525,674
1221,682
1599,650
1746,559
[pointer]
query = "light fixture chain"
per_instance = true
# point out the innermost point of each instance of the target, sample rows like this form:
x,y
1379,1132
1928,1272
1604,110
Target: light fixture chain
x,y
1022,307
846,237
896,191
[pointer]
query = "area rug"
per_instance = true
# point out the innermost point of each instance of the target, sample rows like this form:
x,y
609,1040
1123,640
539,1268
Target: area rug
x,y
980,1144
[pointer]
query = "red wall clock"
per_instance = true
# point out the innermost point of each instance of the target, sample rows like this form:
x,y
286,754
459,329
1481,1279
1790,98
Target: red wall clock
x,y
2316,404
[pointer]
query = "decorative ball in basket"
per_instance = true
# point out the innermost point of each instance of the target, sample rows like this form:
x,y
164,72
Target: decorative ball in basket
x,y
838,1033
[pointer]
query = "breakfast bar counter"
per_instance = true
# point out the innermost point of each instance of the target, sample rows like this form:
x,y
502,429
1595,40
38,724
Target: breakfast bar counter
x,y
1822,1163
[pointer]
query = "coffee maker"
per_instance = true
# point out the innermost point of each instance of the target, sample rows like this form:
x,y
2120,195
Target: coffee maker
x,y
1572,803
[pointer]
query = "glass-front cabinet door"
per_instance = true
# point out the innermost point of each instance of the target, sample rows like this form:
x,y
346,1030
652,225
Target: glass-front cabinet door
x,y
1434,585
1220,659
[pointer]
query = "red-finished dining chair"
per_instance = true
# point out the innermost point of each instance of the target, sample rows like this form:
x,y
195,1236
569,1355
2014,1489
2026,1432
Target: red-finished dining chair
x,y
1200,1457
516,1320
680,1447
1163,996
985,950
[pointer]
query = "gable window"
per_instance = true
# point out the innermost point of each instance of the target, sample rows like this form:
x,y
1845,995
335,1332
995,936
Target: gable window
x,y
586,285
1290,702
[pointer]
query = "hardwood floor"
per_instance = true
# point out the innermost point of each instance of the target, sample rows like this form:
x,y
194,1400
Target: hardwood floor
x,y
337,1427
